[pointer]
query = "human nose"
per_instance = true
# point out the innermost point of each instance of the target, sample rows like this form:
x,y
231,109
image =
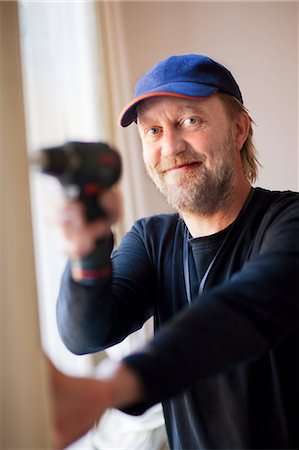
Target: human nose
x,y
172,143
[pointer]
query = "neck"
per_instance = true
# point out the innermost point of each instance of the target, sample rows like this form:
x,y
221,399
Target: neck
x,y
200,225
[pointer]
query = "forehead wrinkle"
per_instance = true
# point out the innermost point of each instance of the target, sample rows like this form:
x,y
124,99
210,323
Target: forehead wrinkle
x,y
183,107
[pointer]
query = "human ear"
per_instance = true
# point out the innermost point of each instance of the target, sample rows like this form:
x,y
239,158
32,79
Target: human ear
x,y
241,126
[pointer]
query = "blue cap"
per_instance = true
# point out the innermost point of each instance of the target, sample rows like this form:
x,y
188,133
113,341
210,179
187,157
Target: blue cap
x,y
185,76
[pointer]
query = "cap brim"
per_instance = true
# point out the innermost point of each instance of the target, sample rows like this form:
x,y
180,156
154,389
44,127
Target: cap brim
x,y
129,113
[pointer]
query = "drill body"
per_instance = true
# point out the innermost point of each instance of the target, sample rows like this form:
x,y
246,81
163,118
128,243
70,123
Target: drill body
x,y
84,170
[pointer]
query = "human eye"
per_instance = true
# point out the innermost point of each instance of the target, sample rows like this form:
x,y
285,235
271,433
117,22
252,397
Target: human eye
x,y
190,121
152,131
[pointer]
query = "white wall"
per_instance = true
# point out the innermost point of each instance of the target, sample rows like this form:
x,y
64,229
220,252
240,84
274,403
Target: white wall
x,y
257,41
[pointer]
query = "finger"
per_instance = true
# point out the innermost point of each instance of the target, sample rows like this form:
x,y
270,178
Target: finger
x,y
81,243
72,214
111,203
77,249
68,218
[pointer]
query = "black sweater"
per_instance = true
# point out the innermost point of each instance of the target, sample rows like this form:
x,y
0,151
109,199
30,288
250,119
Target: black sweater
x,y
224,366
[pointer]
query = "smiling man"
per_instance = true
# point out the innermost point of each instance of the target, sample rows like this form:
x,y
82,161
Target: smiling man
x,y
220,277
191,150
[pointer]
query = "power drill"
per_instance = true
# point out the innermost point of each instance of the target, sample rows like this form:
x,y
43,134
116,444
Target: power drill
x,y
85,170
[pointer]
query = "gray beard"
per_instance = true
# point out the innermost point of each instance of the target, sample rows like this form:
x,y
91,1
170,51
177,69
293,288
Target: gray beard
x,y
200,190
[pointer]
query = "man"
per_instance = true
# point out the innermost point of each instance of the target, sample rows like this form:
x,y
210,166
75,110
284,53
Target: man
x,y
220,276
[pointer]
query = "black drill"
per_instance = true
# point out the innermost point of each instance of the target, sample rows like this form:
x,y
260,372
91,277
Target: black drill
x,y
84,170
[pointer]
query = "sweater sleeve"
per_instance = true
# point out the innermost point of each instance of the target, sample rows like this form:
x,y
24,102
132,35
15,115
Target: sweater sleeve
x,y
92,318
233,323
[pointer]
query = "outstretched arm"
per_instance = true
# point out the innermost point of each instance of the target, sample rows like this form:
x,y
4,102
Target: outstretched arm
x,y
79,402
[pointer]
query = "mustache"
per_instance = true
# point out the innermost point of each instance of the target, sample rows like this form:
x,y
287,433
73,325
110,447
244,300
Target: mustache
x,y
170,162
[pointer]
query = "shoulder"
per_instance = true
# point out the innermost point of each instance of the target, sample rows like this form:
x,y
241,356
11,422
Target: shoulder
x,y
275,197
158,232
278,221
159,224
153,236
276,203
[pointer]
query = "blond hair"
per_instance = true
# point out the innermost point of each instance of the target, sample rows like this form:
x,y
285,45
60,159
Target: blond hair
x,y
248,152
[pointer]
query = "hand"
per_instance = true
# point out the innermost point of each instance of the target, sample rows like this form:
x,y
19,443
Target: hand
x,y
79,236
76,404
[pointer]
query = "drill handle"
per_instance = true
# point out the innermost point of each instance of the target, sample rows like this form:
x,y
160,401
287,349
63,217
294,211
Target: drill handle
x,y
93,210
95,267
